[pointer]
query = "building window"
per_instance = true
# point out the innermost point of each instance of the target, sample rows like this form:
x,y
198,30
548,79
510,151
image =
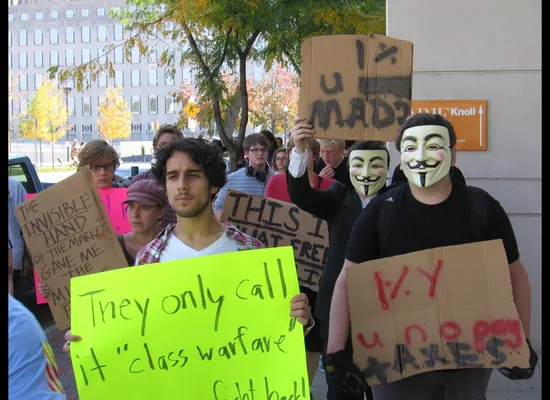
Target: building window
x,y
153,80
119,59
9,60
135,55
101,56
38,37
102,79
23,59
85,34
86,106
39,16
119,78
136,105
101,33
102,100
71,107
23,82
153,104
69,34
86,54
84,12
70,83
170,104
24,16
22,37
168,79
23,103
118,32
54,36
152,54
37,81
11,17
136,77
69,14
38,59
54,15
100,12
9,38
69,57
54,58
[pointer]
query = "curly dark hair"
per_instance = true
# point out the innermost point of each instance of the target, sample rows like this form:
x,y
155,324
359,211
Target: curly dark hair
x,y
204,154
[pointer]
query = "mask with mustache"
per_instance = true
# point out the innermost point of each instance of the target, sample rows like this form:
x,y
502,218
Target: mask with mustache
x,y
368,171
425,154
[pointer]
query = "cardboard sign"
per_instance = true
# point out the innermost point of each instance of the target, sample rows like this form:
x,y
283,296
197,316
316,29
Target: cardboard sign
x,y
68,234
112,199
277,223
469,119
444,308
356,87
219,328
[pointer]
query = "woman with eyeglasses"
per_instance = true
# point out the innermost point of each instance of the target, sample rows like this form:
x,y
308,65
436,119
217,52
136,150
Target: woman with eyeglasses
x,y
281,160
103,161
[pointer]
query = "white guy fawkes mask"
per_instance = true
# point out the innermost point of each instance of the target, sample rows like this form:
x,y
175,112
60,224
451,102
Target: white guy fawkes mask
x,y
368,170
425,154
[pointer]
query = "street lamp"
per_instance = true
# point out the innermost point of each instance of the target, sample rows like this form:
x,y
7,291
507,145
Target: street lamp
x,y
285,109
67,90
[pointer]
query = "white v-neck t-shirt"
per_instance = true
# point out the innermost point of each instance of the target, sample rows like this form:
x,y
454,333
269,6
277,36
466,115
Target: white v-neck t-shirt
x,y
177,250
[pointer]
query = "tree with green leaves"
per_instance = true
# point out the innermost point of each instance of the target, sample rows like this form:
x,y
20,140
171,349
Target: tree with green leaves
x,y
216,37
46,115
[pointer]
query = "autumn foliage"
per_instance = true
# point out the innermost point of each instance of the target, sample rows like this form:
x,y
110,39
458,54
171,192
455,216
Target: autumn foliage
x,y
115,116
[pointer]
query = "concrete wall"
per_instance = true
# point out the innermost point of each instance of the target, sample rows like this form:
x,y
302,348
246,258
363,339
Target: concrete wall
x,y
489,50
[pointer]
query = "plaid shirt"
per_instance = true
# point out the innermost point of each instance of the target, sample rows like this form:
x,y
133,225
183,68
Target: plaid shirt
x,y
150,254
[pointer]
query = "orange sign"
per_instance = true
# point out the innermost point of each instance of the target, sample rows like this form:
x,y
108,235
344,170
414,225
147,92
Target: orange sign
x,y
469,118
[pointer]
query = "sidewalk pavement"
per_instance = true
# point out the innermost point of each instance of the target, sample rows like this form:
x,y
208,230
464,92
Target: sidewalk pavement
x,y
500,388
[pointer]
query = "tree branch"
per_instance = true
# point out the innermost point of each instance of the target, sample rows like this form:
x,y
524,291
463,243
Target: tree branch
x,y
222,59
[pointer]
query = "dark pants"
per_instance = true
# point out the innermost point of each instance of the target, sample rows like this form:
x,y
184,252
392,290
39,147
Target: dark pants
x,y
17,275
333,393
463,384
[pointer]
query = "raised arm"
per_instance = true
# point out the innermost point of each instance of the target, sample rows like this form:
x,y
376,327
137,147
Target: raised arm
x,y
321,203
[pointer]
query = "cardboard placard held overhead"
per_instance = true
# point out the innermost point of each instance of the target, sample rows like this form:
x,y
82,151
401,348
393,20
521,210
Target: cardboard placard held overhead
x,y
444,308
277,223
68,234
356,87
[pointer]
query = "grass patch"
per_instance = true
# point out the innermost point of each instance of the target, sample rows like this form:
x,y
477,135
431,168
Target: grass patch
x,y
58,168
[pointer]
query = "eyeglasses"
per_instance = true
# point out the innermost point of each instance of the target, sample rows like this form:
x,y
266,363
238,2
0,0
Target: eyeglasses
x,y
107,167
257,150
281,158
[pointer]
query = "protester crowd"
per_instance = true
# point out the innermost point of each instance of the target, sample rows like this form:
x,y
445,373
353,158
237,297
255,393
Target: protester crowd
x,y
175,209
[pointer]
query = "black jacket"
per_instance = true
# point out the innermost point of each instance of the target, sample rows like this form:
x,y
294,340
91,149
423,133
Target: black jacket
x,y
340,207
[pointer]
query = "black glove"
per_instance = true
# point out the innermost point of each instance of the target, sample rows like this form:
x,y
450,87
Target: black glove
x,y
516,373
344,374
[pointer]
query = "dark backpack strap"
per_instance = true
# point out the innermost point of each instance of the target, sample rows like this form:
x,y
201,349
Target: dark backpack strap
x,y
391,203
480,212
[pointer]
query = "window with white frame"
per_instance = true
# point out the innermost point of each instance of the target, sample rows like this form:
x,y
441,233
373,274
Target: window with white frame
x,y
135,81
136,104
153,104
86,105
38,37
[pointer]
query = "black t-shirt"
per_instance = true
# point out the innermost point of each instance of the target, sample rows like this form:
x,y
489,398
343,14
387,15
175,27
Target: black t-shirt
x,y
419,226
341,172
